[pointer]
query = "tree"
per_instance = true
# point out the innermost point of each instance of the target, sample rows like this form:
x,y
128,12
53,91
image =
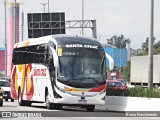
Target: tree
x,y
118,41
145,44
126,71
157,51
156,47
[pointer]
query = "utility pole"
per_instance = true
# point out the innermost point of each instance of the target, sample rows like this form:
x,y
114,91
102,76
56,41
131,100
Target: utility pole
x,y
120,58
44,5
5,63
15,37
48,6
129,51
82,17
94,29
150,51
22,25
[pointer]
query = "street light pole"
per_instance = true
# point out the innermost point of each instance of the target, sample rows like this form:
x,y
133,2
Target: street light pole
x,y
22,25
44,5
15,37
82,16
48,6
120,57
150,51
5,64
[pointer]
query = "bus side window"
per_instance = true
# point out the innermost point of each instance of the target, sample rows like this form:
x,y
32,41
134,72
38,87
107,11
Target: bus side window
x,y
34,57
16,56
33,54
24,56
20,57
30,54
30,57
41,58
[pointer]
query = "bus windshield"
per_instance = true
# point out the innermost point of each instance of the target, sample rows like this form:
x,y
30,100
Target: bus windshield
x,y
82,69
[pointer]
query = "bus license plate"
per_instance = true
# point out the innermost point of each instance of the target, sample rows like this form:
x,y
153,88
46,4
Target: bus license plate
x,y
82,101
5,95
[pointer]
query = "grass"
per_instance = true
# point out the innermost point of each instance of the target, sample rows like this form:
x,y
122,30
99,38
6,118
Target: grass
x,y
134,92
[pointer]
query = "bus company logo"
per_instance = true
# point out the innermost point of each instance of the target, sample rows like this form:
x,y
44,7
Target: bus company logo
x,y
74,45
39,72
67,89
81,46
25,44
91,46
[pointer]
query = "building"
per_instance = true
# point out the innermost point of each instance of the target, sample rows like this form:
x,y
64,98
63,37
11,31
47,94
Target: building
x,y
2,60
119,55
139,70
136,52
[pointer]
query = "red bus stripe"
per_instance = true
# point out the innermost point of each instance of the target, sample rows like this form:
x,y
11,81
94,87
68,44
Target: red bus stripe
x,y
98,89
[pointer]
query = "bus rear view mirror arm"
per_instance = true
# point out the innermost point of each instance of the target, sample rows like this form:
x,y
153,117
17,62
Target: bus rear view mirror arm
x,y
55,58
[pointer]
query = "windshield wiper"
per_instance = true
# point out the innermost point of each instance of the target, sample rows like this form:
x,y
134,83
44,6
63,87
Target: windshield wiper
x,y
66,81
94,80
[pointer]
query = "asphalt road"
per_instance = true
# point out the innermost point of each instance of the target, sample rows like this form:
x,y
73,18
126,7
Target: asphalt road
x,y
11,110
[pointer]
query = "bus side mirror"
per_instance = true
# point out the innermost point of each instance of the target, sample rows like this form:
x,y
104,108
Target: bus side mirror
x,y
55,57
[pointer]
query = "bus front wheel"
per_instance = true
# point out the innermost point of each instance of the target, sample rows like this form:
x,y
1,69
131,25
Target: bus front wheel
x,y
48,104
90,107
1,103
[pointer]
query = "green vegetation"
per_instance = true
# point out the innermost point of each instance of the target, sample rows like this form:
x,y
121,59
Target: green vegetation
x,y
113,92
134,92
156,46
119,41
126,71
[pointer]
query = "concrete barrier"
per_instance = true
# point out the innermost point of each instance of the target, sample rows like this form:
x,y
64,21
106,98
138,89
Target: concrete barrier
x,y
123,103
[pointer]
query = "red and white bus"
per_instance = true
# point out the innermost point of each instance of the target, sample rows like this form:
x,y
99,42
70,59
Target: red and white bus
x,y
51,69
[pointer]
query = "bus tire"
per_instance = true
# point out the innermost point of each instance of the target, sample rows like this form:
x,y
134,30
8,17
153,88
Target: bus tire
x,y
90,108
59,106
28,103
12,100
49,105
1,103
20,101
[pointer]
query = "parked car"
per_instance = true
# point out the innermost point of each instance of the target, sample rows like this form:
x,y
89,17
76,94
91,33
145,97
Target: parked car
x,y
6,78
6,86
1,96
115,84
126,83
123,81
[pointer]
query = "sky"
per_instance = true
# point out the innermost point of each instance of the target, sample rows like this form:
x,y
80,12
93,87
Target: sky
x,y
130,18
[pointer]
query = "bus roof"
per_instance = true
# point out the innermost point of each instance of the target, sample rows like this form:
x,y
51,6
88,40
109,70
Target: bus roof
x,y
64,40
34,41
61,40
